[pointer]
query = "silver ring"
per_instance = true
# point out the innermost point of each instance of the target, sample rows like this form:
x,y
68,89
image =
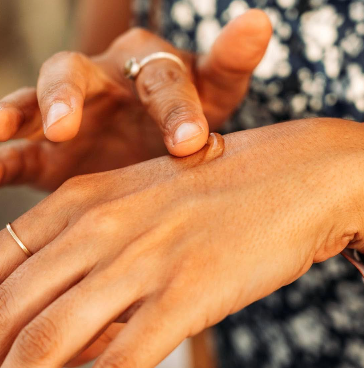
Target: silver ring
x,y
18,241
132,68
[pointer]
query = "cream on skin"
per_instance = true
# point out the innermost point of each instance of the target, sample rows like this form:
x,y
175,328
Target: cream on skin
x,y
215,147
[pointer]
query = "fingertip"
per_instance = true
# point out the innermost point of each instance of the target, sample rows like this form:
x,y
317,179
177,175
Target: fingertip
x,y
255,27
188,139
10,121
258,19
65,128
246,38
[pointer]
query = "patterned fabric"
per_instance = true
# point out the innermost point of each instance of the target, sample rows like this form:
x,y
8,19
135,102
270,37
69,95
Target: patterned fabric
x,y
313,67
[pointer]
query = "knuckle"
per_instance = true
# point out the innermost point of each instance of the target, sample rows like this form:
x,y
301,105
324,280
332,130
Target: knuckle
x,y
69,185
177,292
62,58
78,189
102,220
36,342
69,60
139,33
74,189
78,183
135,36
74,182
174,114
58,90
116,359
75,58
159,80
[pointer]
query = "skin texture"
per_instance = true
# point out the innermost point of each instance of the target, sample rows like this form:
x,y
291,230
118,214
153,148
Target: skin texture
x,y
109,126
172,247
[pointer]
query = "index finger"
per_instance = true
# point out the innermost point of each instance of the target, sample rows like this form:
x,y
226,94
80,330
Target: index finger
x,y
165,89
171,99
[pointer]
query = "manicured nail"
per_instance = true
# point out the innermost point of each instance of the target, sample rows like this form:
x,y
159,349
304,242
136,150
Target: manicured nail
x,y
185,132
57,111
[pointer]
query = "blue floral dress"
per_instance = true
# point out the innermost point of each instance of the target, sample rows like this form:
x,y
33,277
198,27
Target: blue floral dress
x,y
313,67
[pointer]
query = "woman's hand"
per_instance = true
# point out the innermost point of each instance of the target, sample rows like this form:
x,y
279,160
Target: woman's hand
x,y
90,101
172,246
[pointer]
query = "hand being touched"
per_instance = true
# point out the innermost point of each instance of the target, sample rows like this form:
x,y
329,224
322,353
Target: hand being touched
x,y
92,109
174,245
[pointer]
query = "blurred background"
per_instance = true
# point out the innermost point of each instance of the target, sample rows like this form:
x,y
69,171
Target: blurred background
x,y
30,32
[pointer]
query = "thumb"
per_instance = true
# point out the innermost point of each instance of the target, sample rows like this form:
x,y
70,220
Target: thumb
x,y
224,74
65,81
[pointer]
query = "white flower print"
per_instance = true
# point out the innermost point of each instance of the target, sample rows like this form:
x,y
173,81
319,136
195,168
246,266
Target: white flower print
x,y
360,29
307,331
299,103
356,11
244,341
352,44
183,14
355,350
286,3
205,8
319,32
355,91
280,355
206,33
235,9
275,61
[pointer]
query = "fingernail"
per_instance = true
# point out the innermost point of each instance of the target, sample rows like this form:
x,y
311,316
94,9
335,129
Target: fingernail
x,y
57,111
185,132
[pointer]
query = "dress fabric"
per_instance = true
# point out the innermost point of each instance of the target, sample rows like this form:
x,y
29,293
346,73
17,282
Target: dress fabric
x,y
313,67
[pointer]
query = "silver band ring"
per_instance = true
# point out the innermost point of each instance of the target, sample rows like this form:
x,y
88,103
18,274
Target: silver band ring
x,y
132,68
18,241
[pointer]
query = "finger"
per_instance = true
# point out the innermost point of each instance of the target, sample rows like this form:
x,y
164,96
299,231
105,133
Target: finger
x,y
171,99
36,229
223,74
21,163
98,347
34,285
64,82
63,329
19,115
153,333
